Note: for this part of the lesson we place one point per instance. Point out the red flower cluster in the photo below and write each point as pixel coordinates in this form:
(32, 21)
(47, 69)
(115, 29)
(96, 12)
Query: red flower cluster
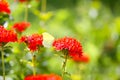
(4, 6)
(34, 41)
(83, 58)
(21, 26)
(7, 35)
(70, 44)
(43, 77)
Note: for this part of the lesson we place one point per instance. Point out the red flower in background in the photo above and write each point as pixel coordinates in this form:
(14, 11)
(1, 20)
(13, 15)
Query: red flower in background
(34, 41)
(21, 26)
(4, 6)
(70, 44)
(43, 77)
(7, 35)
(84, 58)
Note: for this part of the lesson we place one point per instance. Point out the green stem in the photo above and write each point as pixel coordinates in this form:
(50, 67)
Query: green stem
(3, 64)
(26, 12)
(64, 65)
(33, 62)
(43, 8)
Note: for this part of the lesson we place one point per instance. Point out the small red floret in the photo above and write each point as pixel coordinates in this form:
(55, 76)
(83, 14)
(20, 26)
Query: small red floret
(43, 77)
(84, 58)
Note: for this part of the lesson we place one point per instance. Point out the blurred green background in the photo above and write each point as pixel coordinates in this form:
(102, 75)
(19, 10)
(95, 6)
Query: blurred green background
(95, 23)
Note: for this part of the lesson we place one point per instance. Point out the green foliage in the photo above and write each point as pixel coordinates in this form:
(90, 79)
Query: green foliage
(95, 23)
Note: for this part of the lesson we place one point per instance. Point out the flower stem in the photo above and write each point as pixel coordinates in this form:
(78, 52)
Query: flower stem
(26, 11)
(33, 62)
(64, 65)
(43, 8)
(3, 64)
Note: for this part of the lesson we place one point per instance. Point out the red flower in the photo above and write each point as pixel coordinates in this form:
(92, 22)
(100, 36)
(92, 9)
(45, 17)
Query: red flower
(21, 26)
(4, 6)
(70, 44)
(43, 77)
(7, 35)
(83, 58)
(33, 41)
